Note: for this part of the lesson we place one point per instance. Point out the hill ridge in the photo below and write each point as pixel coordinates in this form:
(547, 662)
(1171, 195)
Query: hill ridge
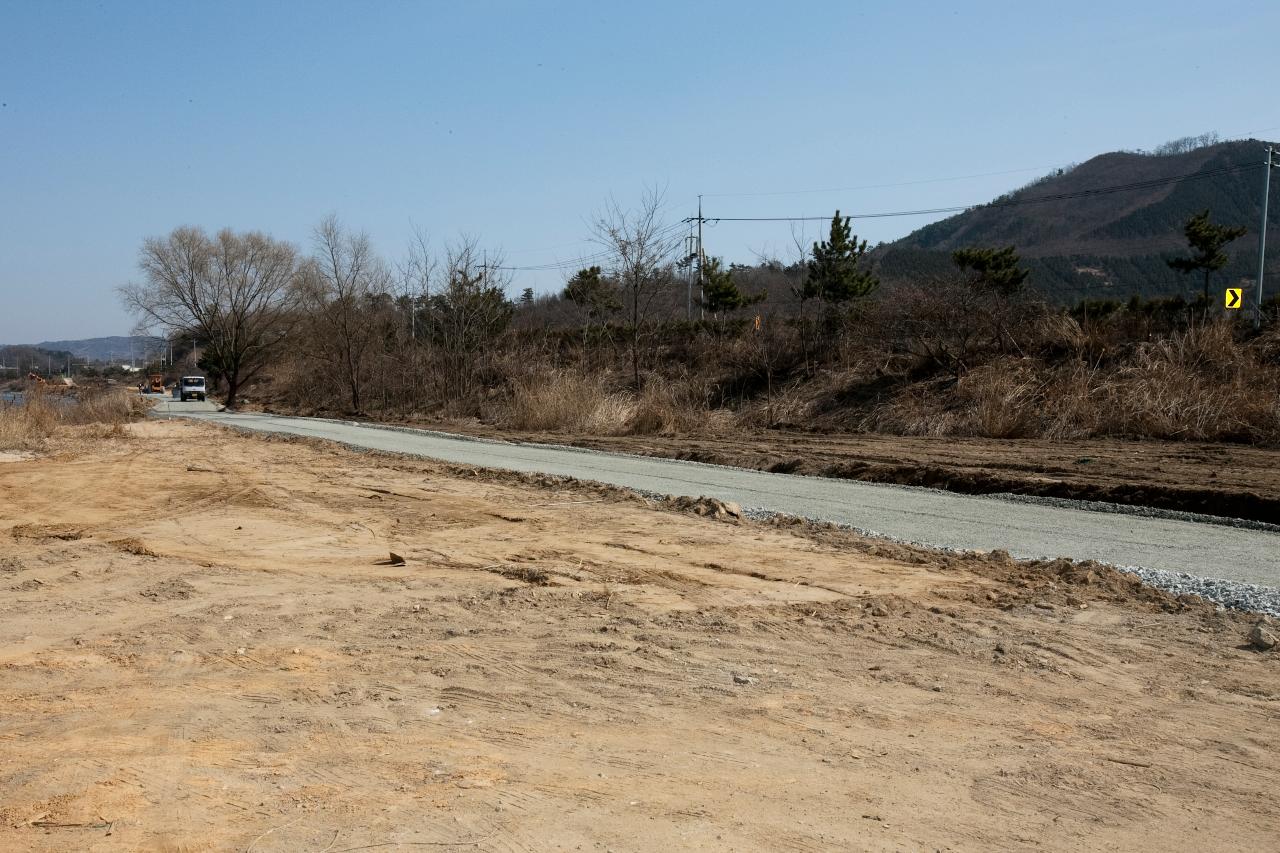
(1112, 244)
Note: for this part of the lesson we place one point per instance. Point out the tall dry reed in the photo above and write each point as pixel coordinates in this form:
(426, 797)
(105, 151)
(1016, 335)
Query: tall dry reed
(32, 424)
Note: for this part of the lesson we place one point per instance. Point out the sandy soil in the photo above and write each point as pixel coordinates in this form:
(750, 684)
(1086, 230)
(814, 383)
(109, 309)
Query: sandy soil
(1237, 481)
(202, 648)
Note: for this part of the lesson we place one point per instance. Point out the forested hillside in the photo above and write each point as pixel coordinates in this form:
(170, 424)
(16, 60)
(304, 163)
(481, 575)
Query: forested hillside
(1082, 240)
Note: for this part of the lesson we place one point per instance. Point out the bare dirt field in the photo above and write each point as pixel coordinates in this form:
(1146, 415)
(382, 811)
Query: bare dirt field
(203, 646)
(1233, 480)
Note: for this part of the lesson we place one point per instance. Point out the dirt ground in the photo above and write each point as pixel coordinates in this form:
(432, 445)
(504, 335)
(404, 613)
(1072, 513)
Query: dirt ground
(203, 647)
(1232, 480)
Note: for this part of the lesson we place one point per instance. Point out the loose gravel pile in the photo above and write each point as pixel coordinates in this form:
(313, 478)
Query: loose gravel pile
(1236, 595)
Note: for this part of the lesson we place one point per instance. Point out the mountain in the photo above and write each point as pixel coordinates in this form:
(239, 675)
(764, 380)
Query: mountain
(1082, 240)
(118, 349)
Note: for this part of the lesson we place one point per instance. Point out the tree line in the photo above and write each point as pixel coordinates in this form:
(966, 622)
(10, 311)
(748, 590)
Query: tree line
(439, 328)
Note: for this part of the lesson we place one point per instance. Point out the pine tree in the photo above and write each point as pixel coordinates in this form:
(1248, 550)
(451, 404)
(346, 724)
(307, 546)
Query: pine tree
(595, 296)
(996, 270)
(720, 292)
(589, 290)
(834, 276)
(1206, 241)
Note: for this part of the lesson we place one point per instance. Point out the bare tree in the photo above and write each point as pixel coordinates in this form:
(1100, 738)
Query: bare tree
(643, 249)
(344, 288)
(414, 277)
(467, 312)
(954, 320)
(235, 292)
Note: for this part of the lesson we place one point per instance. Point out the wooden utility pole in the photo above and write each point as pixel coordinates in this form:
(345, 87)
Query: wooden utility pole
(1262, 231)
(701, 295)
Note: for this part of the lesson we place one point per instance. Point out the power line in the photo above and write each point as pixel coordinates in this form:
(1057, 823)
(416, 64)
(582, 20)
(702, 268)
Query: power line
(1013, 202)
(670, 230)
(663, 233)
(885, 186)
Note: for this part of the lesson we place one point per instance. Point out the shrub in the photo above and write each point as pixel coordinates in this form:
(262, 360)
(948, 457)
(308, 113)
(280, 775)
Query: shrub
(563, 401)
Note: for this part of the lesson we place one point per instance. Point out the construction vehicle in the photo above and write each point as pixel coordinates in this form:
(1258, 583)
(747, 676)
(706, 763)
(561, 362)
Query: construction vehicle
(156, 385)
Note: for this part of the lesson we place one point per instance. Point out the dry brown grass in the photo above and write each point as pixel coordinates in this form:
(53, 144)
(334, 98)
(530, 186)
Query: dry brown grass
(572, 403)
(1200, 384)
(667, 407)
(35, 424)
(563, 401)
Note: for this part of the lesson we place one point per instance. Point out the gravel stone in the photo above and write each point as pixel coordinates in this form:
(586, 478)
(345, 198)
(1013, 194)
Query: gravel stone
(1261, 638)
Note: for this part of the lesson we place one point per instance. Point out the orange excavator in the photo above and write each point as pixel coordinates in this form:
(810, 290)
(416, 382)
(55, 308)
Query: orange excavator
(36, 378)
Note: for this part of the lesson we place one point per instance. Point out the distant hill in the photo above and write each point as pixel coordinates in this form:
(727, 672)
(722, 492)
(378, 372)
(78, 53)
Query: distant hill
(1114, 244)
(16, 361)
(117, 349)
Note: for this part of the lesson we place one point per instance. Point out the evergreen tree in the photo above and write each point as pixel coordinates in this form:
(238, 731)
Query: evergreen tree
(589, 290)
(995, 270)
(720, 292)
(834, 276)
(595, 296)
(1206, 241)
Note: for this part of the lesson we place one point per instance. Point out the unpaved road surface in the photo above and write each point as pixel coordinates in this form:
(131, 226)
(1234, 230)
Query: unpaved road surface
(1232, 480)
(925, 516)
(203, 648)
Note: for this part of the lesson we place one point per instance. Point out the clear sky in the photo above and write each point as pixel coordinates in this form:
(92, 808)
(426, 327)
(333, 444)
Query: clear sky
(513, 121)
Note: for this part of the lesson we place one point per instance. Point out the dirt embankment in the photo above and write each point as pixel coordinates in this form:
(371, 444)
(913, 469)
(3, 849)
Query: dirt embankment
(1233, 481)
(218, 655)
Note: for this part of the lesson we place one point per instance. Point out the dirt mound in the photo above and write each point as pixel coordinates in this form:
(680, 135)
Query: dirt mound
(44, 532)
(706, 507)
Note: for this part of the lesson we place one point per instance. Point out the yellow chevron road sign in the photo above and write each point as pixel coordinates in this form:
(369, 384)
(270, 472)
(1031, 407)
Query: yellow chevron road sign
(1233, 297)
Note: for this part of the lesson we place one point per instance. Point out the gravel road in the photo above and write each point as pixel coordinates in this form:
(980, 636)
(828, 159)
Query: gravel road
(924, 516)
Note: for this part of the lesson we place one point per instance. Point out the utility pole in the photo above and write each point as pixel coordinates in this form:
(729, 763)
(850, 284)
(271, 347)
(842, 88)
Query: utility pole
(686, 263)
(1262, 232)
(701, 295)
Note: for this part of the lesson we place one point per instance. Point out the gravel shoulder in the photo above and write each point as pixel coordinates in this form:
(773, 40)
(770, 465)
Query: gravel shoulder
(220, 655)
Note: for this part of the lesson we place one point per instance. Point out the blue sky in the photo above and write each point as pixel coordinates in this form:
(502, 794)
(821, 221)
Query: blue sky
(513, 121)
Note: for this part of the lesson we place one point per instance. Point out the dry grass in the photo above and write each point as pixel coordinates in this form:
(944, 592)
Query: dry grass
(569, 402)
(35, 424)
(1200, 384)
(562, 401)
(27, 426)
(675, 408)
